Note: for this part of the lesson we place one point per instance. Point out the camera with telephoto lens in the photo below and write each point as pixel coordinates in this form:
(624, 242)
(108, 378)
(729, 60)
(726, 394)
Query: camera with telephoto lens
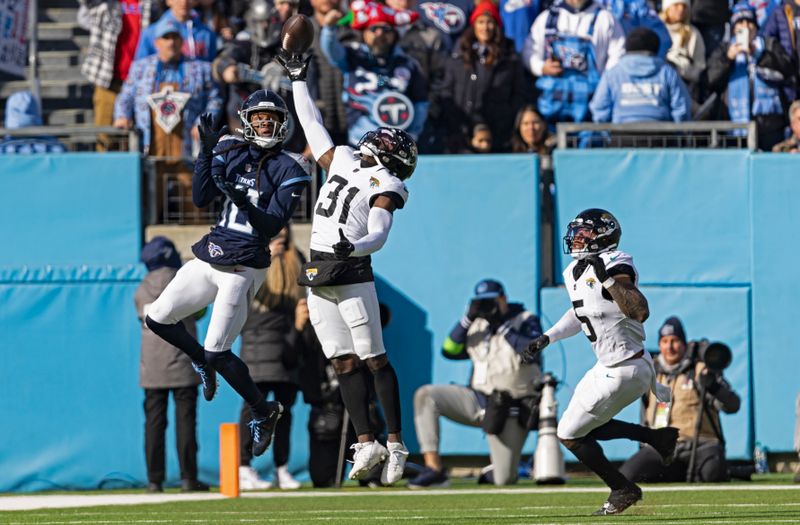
(716, 356)
(487, 307)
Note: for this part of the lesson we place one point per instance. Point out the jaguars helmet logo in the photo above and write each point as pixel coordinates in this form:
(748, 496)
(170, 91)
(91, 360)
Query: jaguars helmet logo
(311, 273)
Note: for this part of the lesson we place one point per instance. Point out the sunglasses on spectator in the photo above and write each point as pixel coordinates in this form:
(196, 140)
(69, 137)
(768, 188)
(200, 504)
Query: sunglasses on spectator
(383, 28)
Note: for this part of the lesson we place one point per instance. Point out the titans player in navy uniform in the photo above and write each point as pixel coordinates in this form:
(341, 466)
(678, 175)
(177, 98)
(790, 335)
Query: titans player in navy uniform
(260, 185)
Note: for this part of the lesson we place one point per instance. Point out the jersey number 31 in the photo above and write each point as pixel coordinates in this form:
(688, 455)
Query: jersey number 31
(330, 209)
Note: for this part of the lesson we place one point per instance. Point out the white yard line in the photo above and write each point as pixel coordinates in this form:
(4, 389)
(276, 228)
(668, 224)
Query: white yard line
(32, 502)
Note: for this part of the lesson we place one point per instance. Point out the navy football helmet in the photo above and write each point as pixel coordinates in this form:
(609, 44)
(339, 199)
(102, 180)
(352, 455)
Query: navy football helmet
(593, 231)
(393, 148)
(265, 100)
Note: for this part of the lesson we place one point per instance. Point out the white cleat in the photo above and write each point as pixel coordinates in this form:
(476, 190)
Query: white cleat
(366, 456)
(284, 479)
(393, 468)
(249, 480)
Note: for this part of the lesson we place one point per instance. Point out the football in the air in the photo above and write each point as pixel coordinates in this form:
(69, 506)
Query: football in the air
(297, 34)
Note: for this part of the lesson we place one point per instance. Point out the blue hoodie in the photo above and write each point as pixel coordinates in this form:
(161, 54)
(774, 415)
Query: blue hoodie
(640, 88)
(22, 111)
(199, 41)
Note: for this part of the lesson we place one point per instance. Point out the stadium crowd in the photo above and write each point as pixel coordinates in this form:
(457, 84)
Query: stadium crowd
(463, 76)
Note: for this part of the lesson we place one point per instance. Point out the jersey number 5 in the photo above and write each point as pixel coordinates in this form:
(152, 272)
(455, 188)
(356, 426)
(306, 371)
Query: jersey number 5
(340, 183)
(586, 324)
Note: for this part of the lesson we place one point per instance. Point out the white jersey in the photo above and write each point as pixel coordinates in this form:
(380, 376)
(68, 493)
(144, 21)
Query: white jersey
(346, 197)
(614, 336)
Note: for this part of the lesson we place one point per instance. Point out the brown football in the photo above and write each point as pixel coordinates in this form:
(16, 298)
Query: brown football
(297, 34)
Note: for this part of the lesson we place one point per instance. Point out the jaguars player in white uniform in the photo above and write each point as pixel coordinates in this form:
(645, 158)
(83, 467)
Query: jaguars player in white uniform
(352, 219)
(609, 308)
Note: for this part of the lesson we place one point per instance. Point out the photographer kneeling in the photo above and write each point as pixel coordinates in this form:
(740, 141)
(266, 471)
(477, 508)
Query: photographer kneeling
(501, 396)
(686, 373)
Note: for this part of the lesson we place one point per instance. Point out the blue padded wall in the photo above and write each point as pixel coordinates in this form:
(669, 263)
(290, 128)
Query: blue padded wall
(776, 360)
(467, 218)
(85, 209)
(720, 314)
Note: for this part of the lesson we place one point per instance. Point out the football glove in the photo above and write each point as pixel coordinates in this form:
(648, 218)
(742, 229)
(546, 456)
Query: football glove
(229, 189)
(343, 248)
(210, 130)
(529, 355)
(295, 65)
(599, 267)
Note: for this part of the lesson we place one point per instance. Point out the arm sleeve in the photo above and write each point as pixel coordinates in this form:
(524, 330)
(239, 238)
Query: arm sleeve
(609, 41)
(333, 50)
(203, 188)
(454, 346)
(145, 47)
(317, 136)
(681, 103)
(529, 330)
(281, 206)
(379, 223)
(602, 101)
(123, 105)
(567, 326)
(533, 50)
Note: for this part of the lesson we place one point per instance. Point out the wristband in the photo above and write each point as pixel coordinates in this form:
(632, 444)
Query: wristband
(608, 283)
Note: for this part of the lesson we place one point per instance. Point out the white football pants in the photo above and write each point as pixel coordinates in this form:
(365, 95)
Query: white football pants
(602, 393)
(347, 319)
(196, 285)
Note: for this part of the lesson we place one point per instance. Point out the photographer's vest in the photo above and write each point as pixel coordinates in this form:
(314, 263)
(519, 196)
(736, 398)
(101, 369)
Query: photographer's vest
(496, 366)
(682, 411)
(565, 98)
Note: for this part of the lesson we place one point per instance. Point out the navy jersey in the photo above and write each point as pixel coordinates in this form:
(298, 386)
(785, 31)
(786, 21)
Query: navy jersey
(275, 191)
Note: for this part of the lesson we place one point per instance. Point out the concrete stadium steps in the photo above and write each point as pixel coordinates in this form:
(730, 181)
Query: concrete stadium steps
(69, 117)
(58, 14)
(52, 89)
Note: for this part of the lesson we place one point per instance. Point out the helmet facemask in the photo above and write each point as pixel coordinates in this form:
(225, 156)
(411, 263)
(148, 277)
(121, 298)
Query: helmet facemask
(382, 145)
(276, 116)
(585, 238)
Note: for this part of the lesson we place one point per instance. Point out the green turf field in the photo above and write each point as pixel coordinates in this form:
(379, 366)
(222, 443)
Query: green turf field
(753, 503)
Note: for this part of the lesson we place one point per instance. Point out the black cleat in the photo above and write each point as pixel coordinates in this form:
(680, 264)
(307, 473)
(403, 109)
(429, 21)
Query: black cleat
(664, 441)
(193, 485)
(619, 500)
(154, 488)
(263, 429)
(209, 378)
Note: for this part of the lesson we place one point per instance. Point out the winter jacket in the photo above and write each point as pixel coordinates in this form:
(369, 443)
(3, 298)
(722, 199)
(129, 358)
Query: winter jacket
(773, 63)
(424, 44)
(641, 88)
(637, 13)
(161, 365)
(270, 344)
(781, 26)
(688, 58)
(479, 93)
(710, 12)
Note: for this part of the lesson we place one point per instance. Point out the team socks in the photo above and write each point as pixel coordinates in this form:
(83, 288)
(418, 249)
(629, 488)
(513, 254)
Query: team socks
(353, 387)
(616, 429)
(178, 336)
(589, 453)
(236, 373)
(389, 396)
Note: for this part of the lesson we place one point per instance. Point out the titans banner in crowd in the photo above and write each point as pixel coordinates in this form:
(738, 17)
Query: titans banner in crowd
(13, 36)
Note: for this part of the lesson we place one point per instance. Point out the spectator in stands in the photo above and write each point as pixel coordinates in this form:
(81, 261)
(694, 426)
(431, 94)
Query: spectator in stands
(683, 371)
(710, 17)
(688, 52)
(530, 133)
(22, 111)
(114, 28)
(642, 87)
(164, 96)
(501, 395)
(199, 42)
(764, 9)
(792, 144)
(751, 71)
(382, 85)
(449, 17)
(480, 140)
(270, 350)
(164, 369)
(484, 82)
(246, 63)
(214, 16)
(638, 13)
(569, 47)
(782, 25)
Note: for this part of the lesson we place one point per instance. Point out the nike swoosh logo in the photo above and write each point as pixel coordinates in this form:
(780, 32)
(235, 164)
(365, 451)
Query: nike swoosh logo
(609, 376)
(295, 194)
(614, 258)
